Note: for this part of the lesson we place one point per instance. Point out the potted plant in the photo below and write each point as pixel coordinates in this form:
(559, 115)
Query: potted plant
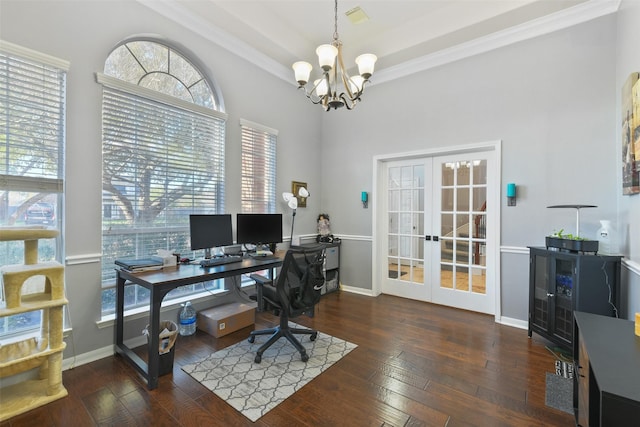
(571, 243)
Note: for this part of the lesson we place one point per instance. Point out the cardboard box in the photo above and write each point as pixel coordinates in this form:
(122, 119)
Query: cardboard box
(225, 319)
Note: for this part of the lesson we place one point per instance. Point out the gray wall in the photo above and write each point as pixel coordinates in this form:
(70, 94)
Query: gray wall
(553, 101)
(628, 61)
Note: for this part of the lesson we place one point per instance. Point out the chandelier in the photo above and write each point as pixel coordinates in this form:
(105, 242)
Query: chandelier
(335, 88)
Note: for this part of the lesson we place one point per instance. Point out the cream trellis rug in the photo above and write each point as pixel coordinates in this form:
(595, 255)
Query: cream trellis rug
(256, 388)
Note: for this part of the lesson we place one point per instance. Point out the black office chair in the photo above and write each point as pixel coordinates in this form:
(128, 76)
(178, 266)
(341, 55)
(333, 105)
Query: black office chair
(297, 290)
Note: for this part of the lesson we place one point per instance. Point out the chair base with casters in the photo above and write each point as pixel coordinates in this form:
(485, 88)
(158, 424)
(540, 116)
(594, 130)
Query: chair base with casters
(283, 331)
(296, 292)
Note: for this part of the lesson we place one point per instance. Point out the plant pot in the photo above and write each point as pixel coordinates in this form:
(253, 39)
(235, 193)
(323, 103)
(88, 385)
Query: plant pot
(572, 245)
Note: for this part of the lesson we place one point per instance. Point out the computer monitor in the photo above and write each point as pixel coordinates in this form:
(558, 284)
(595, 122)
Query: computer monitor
(258, 229)
(210, 231)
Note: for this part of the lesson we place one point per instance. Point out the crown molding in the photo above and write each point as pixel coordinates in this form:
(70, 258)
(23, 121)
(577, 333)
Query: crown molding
(566, 18)
(172, 10)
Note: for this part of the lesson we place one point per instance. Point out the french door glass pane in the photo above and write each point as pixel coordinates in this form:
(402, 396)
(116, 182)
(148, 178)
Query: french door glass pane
(463, 219)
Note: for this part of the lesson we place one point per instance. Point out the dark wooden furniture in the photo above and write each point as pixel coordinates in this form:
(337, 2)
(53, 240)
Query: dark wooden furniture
(159, 283)
(606, 387)
(561, 282)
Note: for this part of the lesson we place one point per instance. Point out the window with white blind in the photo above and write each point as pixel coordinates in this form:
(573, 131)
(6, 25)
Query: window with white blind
(163, 159)
(32, 144)
(258, 168)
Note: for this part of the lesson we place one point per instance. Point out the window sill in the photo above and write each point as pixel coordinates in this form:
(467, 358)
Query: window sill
(143, 312)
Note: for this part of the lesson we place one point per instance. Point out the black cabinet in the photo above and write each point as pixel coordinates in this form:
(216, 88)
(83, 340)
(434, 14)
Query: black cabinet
(331, 265)
(561, 282)
(606, 387)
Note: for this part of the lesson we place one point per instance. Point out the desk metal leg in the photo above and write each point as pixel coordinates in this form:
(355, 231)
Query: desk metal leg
(154, 339)
(119, 310)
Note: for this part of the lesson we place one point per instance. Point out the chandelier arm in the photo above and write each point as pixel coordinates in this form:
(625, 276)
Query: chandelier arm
(348, 102)
(313, 94)
(343, 73)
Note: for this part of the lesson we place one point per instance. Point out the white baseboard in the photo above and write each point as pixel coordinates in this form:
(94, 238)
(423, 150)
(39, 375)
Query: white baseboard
(359, 291)
(516, 323)
(100, 353)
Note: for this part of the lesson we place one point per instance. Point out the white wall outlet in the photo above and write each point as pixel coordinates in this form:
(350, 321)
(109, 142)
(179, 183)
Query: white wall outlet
(222, 326)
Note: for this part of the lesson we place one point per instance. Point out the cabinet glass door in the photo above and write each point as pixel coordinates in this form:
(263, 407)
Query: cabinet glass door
(540, 309)
(563, 293)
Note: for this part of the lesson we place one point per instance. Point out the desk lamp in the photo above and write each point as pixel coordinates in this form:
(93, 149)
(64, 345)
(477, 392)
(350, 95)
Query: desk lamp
(292, 202)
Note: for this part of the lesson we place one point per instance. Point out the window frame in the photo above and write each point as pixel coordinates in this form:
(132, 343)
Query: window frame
(124, 91)
(258, 167)
(34, 83)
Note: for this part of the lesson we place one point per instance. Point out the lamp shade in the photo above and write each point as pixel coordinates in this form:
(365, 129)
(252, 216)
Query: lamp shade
(326, 56)
(302, 71)
(302, 192)
(366, 63)
(355, 83)
(287, 196)
(291, 200)
(321, 87)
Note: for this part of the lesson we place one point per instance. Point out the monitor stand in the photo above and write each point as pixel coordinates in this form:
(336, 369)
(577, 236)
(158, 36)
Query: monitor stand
(260, 251)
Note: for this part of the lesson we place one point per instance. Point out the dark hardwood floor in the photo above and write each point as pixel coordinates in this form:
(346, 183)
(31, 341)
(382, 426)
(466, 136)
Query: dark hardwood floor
(416, 364)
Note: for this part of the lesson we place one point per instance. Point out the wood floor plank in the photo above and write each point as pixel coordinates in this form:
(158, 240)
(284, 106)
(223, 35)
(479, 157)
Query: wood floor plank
(416, 365)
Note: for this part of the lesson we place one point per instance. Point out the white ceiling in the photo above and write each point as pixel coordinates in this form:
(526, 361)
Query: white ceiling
(407, 36)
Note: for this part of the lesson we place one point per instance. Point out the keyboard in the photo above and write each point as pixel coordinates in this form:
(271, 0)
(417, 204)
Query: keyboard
(212, 262)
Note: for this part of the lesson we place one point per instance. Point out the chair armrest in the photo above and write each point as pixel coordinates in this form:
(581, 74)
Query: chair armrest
(261, 280)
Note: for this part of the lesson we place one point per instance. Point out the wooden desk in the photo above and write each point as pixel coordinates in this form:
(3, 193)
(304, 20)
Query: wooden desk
(606, 391)
(159, 283)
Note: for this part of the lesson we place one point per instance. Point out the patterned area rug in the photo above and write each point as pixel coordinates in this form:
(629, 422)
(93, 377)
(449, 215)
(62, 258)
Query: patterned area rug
(256, 388)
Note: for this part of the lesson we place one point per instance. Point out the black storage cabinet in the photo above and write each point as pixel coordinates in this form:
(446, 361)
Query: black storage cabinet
(561, 282)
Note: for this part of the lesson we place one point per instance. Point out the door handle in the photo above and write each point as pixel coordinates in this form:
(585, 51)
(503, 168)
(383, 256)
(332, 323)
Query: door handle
(436, 238)
(428, 238)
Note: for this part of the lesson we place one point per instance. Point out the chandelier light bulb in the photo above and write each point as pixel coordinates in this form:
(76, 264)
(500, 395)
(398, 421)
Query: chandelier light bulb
(356, 83)
(366, 63)
(326, 56)
(321, 87)
(302, 71)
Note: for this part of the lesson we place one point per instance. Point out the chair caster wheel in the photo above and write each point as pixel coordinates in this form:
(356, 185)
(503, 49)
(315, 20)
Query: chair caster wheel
(252, 339)
(313, 336)
(304, 357)
(258, 359)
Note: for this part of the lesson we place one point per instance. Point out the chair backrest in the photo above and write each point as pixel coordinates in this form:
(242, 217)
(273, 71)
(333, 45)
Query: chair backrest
(301, 278)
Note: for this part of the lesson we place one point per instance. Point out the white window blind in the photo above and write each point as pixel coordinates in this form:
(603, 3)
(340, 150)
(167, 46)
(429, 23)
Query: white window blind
(161, 163)
(32, 107)
(258, 168)
(32, 144)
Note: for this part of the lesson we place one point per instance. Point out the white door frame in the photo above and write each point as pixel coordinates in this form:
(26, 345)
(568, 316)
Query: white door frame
(379, 260)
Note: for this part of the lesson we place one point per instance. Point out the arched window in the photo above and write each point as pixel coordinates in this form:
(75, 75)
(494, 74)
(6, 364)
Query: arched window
(163, 157)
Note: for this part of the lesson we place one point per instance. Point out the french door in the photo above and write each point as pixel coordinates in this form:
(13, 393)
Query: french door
(438, 230)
